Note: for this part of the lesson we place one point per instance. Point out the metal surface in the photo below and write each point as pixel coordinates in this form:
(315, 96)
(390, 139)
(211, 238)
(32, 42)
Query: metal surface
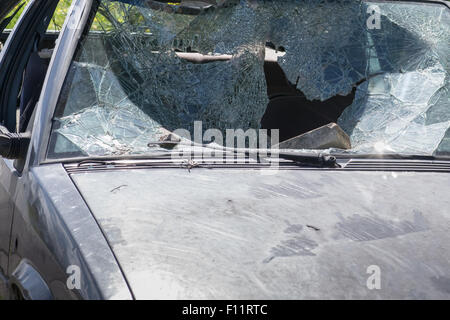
(238, 234)
(30, 282)
(4, 288)
(8, 184)
(55, 230)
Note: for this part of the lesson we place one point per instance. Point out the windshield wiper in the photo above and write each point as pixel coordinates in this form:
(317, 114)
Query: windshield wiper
(312, 160)
(302, 159)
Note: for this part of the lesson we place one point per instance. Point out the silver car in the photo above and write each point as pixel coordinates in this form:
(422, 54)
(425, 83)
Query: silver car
(225, 150)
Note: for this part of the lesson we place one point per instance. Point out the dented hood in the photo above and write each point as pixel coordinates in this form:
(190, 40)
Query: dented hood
(239, 234)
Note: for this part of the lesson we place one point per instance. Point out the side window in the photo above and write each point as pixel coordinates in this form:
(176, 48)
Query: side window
(37, 65)
(9, 15)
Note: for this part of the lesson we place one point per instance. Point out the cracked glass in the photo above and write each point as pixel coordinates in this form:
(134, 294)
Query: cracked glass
(147, 68)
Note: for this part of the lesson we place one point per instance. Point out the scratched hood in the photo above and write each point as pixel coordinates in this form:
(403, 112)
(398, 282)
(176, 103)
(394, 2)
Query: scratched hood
(239, 234)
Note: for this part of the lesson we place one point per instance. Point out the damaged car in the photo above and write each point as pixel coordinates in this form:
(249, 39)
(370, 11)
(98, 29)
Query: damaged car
(225, 149)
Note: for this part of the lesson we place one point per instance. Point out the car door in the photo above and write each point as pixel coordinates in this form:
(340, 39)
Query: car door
(8, 174)
(8, 183)
(15, 59)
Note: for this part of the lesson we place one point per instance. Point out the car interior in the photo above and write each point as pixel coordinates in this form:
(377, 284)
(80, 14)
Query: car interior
(289, 110)
(33, 76)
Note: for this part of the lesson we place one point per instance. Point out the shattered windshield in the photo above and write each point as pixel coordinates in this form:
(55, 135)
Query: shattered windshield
(345, 76)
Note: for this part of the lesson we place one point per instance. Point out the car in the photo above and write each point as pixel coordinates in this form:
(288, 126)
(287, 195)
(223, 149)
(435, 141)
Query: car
(225, 150)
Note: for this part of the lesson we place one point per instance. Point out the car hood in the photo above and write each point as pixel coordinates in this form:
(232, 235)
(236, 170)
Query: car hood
(296, 234)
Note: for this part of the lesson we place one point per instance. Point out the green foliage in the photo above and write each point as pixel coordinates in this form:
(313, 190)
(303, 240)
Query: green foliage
(13, 21)
(60, 15)
(57, 20)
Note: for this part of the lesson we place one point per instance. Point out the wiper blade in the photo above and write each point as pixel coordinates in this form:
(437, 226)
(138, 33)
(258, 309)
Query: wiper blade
(312, 160)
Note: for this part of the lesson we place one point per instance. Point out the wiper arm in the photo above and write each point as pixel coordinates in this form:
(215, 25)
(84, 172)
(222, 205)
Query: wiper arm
(305, 159)
(196, 159)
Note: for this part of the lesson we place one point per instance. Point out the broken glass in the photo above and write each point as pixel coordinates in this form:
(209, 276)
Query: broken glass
(405, 110)
(128, 84)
